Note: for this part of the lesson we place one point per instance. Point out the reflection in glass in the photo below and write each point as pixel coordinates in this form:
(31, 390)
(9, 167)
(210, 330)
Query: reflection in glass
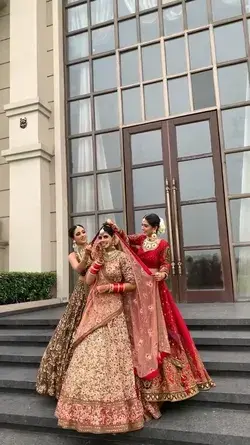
(148, 186)
(81, 155)
(80, 116)
(78, 46)
(204, 269)
(240, 211)
(146, 147)
(196, 13)
(147, 5)
(199, 49)
(102, 118)
(149, 25)
(139, 215)
(242, 260)
(129, 67)
(118, 218)
(151, 62)
(225, 9)
(178, 95)
(203, 90)
(154, 101)
(173, 20)
(108, 150)
(234, 36)
(77, 17)
(83, 194)
(79, 79)
(236, 124)
(238, 165)
(131, 105)
(103, 39)
(127, 33)
(109, 191)
(125, 7)
(99, 13)
(191, 172)
(204, 231)
(105, 65)
(193, 139)
(175, 64)
(88, 222)
(233, 83)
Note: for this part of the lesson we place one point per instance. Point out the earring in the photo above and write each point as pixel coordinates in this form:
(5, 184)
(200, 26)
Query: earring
(154, 236)
(74, 245)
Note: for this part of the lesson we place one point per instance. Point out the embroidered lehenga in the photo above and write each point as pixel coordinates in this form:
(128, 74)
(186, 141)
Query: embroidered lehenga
(99, 391)
(180, 373)
(58, 353)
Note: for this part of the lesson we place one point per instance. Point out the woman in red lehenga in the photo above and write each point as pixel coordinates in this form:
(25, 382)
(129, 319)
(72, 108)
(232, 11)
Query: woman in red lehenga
(180, 373)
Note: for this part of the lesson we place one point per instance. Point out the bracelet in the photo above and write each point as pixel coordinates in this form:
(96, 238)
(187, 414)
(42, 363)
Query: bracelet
(117, 288)
(94, 269)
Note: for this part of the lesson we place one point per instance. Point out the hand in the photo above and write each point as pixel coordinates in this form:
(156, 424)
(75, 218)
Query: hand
(88, 249)
(112, 224)
(160, 276)
(98, 252)
(103, 288)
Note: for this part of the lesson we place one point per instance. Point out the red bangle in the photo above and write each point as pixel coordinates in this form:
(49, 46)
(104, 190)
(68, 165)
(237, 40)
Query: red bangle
(118, 288)
(94, 269)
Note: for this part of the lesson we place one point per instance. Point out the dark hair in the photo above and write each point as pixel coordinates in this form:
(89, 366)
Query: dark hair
(108, 229)
(153, 220)
(72, 230)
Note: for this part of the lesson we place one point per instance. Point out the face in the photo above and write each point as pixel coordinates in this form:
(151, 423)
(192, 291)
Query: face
(147, 229)
(80, 236)
(105, 239)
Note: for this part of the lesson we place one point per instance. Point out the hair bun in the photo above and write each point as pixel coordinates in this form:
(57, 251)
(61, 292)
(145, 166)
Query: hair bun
(162, 226)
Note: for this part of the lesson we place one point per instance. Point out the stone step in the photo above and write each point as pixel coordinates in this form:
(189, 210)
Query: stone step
(18, 377)
(180, 422)
(25, 335)
(21, 354)
(220, 338)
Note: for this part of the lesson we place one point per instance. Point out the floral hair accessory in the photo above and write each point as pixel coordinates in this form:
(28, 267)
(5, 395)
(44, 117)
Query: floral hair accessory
(162, 226)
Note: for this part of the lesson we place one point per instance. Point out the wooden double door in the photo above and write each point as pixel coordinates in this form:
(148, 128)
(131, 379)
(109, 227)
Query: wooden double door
(173, 168)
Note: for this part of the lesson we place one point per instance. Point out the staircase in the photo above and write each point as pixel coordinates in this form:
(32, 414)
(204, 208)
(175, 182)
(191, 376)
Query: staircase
(218, 417)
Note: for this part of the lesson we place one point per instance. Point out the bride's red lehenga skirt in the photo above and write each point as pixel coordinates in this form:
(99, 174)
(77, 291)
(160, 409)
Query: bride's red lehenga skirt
(181, 374)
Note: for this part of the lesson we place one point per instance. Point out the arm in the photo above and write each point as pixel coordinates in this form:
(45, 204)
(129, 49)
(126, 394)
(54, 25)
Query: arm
(82, 266)
(127, 273)
(132, 240)
(165, 260)
(96, 265)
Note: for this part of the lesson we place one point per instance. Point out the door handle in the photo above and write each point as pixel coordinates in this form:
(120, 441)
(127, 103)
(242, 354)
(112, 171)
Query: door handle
(173, 265)
(176, 223)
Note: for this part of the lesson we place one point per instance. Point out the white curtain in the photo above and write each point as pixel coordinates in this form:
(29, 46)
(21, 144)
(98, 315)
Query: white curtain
(83, 158)
(244, 225)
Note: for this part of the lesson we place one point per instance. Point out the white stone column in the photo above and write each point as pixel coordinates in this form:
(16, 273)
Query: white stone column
(29, 153)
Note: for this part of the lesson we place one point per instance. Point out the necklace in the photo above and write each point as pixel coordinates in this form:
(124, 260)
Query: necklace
(110, 256)
(150, 243)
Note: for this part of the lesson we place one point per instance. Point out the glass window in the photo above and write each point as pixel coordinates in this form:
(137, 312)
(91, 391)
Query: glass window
(234, 36)
(99, 13)
(79, 79)
(149, 25)
(242, 260)
(81, 155)
(225, 9)
(83, 194)
(236, 127)
(176, 65)
(199, 50)
(146, 147)
(234, 83)
(173, 20)
(108, 154)
(125, 7)
(104, 119)
(196, 13)
(204, 269)
(105, 65)
(238, 177)
(193, 139)
(178, 95)
(248, 26)
(127, 33)
(189, 172)
(148, 186)
(151, 62)
(78, 46)
(154, 101)
(118, 218)
(109, 191)
(131, 105)
(103, 39)
(203, 90)
(205, 231)
(80, 116)
(147, 5)
(129, 67)
(240, 211)
(77, 17)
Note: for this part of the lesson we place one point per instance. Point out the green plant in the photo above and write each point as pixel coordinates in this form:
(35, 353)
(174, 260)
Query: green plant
(18, 287)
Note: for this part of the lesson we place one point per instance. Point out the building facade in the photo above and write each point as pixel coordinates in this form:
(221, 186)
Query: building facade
(117, 108)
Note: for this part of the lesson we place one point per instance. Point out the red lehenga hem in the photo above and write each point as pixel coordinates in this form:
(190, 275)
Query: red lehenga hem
(100, 417)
